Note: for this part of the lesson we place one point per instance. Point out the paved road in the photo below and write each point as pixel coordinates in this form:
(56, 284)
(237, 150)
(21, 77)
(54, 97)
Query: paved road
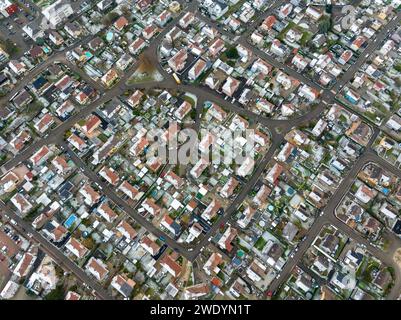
(188, 252)
(55, 253)
(56, 137)
(260, 18)
(108, 190)
(241, 197)
(371, 48)
(328, 95)
(329, 217)
(39, 68)
(283, 125)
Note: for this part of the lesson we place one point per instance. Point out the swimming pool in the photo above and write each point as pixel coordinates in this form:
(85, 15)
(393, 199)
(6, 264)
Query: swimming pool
(88, 55)
(70, 221)
(290, 191)
(109, 36)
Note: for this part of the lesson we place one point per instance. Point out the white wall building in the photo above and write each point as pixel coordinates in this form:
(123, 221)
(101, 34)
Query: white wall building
(57, 13)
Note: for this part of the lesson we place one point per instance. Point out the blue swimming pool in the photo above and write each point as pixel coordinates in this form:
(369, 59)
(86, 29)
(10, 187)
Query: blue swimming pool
(290, 191)
(109, 36)
(70, 221)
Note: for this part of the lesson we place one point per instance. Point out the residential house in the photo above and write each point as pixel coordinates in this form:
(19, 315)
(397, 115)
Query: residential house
(106, 212)
(127, 230)
(97, 268)
(76, 248)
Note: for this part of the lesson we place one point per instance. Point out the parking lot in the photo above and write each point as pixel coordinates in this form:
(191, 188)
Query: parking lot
(11, 29)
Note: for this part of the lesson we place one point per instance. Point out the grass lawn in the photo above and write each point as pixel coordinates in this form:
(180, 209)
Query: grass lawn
(283, 32)
(144, 77)
(102, 137)
(260, 244)
(189, 100)
(367, 275)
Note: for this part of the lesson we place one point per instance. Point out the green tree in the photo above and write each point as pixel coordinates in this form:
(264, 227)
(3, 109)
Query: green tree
(10, 47)
(329, 8)
(325, 25)
(110, 18)
(40, 41)
(126, 11)
(398, 67)
(232, 53)
(56, 294)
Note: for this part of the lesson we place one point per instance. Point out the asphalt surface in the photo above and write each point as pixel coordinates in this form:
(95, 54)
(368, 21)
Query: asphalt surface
(328, 218)
(55, 253)
(203, 94)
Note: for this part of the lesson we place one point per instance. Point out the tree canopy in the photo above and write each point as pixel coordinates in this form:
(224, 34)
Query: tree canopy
(232, 53)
